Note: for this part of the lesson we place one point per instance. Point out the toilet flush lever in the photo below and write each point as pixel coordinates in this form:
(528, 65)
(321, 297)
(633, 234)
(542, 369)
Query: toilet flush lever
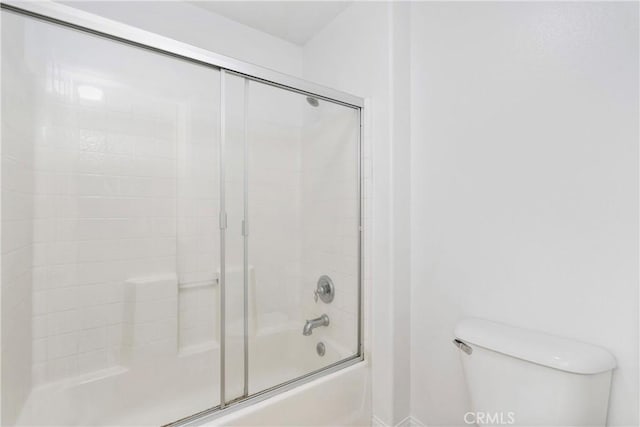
(463, 346)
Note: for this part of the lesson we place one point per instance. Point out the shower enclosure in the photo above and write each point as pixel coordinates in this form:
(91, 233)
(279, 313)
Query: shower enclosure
(171, 221)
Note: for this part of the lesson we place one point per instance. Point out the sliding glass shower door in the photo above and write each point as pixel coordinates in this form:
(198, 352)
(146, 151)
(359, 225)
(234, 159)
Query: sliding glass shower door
(176, 237)
(294, 231)
(110, 200)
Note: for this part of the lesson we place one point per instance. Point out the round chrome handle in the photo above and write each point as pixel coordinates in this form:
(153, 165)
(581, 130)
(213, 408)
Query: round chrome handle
(324, 290)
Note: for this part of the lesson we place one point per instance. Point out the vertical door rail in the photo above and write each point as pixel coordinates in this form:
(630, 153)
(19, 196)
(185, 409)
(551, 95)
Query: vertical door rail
(245, 233)
(223, 227)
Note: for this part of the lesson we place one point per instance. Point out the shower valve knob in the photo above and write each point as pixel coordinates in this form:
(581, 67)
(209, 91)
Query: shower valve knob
(324, 290)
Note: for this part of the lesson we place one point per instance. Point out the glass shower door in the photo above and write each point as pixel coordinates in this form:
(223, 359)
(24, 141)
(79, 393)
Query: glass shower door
(175, 237)
(110, 201)
(302, 218)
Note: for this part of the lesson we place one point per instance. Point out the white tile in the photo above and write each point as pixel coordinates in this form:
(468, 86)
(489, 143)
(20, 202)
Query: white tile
(93, 361)
(62, 345)
(38, 373)
(39, 303)
(39, 327)
(63, 299)
(63, 322)
(39, 350)
(92, 339)
(93, 317)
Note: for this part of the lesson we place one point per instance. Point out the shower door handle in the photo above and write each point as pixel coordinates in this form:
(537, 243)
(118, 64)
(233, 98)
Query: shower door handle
(223, 220)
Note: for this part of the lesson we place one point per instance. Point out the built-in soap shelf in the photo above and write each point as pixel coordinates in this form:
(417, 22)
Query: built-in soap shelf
(202, 347)
(163, 317)
(150, 320)
(198, 327)
(199, 284)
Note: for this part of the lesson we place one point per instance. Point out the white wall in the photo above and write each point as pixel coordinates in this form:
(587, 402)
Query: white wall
(199, 27)
(524, 184)
(360, 52)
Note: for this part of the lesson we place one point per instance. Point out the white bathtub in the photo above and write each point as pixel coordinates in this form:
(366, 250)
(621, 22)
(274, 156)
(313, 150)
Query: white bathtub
(338, 399)
(172, 387)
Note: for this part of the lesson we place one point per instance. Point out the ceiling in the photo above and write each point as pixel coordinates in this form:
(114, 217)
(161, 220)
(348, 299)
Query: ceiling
(294, 21)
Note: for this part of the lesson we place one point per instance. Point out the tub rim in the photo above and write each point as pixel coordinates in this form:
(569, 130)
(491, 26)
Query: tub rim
(211, 414)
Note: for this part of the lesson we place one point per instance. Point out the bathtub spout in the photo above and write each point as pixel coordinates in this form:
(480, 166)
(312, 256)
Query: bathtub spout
(310, 325)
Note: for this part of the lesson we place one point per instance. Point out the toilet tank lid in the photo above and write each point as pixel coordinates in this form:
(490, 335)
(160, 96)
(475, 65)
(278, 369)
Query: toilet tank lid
(537, 347)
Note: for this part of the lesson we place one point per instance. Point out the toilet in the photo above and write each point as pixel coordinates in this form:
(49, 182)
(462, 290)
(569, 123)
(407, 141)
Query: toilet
(521, 377)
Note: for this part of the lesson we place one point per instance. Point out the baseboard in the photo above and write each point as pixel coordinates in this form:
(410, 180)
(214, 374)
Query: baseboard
(409, 421)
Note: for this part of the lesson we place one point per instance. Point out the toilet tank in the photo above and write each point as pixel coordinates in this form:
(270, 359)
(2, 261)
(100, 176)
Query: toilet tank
(522, 377)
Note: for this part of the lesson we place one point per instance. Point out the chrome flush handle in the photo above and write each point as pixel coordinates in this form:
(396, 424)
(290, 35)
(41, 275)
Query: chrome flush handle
(463, 346)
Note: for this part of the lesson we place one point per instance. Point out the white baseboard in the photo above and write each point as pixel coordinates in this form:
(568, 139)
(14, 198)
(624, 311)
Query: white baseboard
(409, 421)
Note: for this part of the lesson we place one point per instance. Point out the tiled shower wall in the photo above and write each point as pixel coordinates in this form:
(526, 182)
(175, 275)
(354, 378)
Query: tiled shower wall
(303, 209)
(275, 122)
(198, 235)
(17, 214)
(121, 161)
(125, 193)
(330, 217)
(105, 212)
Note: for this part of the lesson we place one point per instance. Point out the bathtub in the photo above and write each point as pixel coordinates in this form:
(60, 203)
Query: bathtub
(341, 398)
(139, 396)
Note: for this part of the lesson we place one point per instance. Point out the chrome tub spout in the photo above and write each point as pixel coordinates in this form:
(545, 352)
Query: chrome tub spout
(310, 325)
